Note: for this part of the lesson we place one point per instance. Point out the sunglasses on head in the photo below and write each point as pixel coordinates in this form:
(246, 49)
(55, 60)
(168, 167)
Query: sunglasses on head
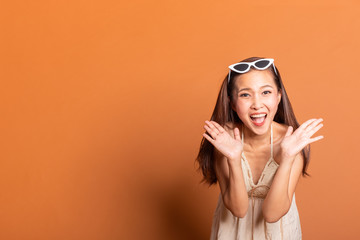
(243, 67)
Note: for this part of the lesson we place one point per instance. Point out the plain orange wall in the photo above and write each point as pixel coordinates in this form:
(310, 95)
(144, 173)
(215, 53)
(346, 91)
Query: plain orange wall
(103, 105)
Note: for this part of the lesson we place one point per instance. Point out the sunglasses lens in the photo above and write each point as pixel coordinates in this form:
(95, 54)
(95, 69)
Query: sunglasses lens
(262, 63)
(241, 67)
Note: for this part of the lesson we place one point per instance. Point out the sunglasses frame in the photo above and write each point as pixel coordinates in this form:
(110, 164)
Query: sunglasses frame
(271, 62)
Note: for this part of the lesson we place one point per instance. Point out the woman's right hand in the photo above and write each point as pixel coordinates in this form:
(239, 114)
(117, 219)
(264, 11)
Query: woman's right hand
(230, 147)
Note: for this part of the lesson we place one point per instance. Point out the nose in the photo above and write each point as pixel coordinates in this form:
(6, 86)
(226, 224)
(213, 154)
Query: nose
(256, 104)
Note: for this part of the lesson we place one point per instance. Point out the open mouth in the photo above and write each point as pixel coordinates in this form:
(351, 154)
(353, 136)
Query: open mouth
(258, 119)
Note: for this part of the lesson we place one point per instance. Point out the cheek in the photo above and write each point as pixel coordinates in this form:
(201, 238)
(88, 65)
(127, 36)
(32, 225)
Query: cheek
(273, 102)
(242, 107)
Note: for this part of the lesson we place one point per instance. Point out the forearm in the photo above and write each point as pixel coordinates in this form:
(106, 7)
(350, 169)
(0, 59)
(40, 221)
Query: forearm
(277, 201)
(235, 197)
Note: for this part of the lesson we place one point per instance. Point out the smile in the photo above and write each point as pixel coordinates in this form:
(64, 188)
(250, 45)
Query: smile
(258, 119)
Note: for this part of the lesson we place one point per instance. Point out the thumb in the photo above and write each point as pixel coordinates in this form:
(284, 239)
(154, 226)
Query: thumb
(237, 134)
(289, 131)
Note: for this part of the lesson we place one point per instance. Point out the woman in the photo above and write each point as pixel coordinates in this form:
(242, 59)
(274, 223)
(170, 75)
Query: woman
(254, 147)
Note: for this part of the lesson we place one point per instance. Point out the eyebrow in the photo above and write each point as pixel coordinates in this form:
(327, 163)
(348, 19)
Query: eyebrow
(246, 89)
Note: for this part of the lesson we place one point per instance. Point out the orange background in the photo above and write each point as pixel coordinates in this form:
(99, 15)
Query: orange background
(103, 105)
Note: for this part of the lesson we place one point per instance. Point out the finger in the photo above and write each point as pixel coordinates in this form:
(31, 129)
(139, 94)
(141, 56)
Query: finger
(218, 126)
(212, 126)
(316, 139)
(212, 133)
(314, 124)
(237, 134)
(314, 130)
(289, 131)
(305, 124)
(208, 138)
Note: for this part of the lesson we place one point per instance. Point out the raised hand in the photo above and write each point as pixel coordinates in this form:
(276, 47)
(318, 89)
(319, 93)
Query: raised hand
(230, 147)
(293, 143)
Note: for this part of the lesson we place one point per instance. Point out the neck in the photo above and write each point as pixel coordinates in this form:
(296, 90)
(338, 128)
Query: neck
(256, 141)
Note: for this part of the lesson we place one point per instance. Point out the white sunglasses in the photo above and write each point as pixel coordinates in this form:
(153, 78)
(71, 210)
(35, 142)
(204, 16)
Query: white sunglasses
(243, 67)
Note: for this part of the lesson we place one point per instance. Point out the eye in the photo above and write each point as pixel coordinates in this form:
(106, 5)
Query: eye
(244, 95)
(267, 92)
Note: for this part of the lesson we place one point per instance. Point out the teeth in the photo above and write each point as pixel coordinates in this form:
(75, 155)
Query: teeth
(258, 115)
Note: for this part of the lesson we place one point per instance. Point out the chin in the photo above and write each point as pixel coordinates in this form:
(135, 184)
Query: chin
(264, 129)
(259, 130)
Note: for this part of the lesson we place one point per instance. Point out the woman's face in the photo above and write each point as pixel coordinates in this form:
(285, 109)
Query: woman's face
(256, 99)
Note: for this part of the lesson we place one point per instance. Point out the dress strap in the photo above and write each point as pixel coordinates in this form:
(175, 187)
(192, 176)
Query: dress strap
(271, 141)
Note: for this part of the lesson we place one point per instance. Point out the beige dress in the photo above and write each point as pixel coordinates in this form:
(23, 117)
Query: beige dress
(226, 226)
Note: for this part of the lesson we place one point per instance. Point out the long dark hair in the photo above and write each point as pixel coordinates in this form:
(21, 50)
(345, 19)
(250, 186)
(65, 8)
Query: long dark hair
(224, 114)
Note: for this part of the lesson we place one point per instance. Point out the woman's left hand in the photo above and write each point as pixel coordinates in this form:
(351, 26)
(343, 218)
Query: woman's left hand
(294, 142)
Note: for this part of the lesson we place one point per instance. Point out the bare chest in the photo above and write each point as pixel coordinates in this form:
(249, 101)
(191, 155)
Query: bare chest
(257, 161)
